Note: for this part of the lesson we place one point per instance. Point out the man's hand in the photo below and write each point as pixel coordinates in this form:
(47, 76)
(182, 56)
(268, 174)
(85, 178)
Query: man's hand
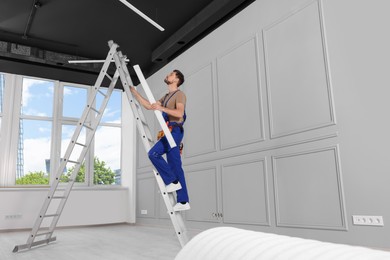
(157, 106)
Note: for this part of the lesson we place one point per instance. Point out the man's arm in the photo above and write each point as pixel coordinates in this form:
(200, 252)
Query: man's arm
(177, 112)
(144, 102)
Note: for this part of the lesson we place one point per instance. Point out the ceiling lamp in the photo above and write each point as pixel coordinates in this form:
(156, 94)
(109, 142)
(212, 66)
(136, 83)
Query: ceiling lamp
(142, 15)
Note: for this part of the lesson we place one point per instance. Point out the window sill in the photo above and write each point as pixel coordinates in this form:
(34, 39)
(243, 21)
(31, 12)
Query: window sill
(47, 187)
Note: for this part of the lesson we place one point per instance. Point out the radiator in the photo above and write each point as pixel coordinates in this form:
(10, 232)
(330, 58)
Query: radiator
(226, 243)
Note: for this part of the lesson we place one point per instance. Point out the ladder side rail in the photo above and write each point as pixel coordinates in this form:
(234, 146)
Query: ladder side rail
(176, 217)
(128, 93)
(145, 132)
(91, 99)
(138, 107)
(90, 137)
(151, 99)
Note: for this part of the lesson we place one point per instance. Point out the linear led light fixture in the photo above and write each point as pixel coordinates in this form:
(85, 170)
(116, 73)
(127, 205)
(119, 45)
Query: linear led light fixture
(142, 15)
(91, 61)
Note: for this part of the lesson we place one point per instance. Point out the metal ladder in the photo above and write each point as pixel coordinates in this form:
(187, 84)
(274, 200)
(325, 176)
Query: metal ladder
(60, 193)
(57, 192)
(147, 140)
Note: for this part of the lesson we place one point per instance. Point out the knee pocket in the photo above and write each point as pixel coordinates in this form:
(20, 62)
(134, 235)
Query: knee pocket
(153, 155)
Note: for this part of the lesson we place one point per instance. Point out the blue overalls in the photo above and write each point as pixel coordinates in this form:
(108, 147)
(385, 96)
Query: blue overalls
(170, 170)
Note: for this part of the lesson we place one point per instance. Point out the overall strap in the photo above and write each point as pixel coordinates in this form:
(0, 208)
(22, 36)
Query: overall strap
(165, 103)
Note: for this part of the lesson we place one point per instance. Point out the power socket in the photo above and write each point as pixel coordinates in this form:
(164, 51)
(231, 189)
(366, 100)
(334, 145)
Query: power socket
(15, 216)
(368, 220)
(144, 212)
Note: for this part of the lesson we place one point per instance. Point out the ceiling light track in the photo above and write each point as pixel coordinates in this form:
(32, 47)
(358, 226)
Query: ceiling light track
(142, 15)
(35, 6)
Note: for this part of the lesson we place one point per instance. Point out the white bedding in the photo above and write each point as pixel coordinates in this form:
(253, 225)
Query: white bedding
(226, 243)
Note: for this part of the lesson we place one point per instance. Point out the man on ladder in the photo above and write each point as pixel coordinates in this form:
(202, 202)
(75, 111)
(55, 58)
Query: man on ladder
(172, 106)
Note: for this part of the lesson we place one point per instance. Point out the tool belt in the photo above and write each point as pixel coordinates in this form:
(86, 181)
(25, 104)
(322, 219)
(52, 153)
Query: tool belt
(161, 134)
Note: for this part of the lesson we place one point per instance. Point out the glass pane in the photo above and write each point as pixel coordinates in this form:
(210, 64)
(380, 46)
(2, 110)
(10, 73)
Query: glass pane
(67, 133)
(37, 97)
(75, 101)
(33, 157)
(2, 83)
(113, 111)
(107, 156)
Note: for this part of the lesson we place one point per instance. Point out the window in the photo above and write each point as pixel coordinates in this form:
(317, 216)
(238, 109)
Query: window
(108, 142)
(41, 119)
(35, 131)
(67, 134)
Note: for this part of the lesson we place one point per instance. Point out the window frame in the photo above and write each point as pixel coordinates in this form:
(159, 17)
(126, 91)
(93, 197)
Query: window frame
(11, 115)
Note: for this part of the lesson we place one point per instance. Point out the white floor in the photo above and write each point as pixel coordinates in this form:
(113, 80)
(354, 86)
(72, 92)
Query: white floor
(111, 242)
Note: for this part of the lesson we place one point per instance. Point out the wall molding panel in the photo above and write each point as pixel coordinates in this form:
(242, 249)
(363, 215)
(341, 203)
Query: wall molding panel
(203, 204)
(249, 205)
(147, 203)
(235, 105)
(200, 126)
(258, 149)
(308, 190)
(299, 88)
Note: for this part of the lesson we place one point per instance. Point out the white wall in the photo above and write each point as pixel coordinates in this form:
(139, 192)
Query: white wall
(84, 207)
(288, 126)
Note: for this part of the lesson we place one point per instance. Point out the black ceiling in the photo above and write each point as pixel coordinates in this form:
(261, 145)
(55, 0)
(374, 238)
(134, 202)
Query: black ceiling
(82, 28)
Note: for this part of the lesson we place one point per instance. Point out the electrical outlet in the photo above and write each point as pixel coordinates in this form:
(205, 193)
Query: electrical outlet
(14, 216)
(144, 212)
(368, 220)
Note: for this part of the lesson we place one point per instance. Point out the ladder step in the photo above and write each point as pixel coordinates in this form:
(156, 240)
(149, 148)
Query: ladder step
(80, 144)
(102, 93)
(87, 126)
(108, 76)
(51, 215)
(94, 109)
(58, 197)
(43, 234)
(70, 161)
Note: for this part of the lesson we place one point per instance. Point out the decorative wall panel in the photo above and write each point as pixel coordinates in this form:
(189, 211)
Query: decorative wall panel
(298, 82)
(308, 190)
(202, 191)
(240, 116)
(200, 126)
(245, 193)
(146, 204)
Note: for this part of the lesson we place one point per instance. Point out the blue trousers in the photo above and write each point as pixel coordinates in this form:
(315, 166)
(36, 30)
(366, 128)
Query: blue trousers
(170, 170)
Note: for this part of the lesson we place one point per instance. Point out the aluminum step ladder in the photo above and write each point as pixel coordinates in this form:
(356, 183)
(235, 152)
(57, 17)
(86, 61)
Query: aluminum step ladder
(73, 159)
(60, 193)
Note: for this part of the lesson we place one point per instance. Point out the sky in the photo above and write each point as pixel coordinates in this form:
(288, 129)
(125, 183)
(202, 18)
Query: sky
(38, 100)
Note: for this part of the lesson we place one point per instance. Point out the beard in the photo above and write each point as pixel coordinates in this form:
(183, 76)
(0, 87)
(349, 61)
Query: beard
(167, 81)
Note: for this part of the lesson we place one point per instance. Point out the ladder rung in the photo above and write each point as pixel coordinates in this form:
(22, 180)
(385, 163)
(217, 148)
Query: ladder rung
(102, 93)
(80, 144)
(87, 126)
(108, 76)
(51, 215)
(70, 161)
(142, 121)
(58, 197)
(43, 234)
(94, 109)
